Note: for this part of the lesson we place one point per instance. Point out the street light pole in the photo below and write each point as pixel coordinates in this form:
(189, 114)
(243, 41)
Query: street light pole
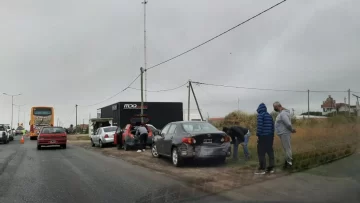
(12, 107)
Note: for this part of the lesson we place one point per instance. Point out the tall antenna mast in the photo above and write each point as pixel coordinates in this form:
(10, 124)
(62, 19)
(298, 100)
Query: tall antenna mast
(145, 56)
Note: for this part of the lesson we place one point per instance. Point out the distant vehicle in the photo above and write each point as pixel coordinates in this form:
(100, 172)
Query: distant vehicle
(50, 136)
(4, 135)
(40, 116)
(127, 139)
(19, 130)
(191, 140)
(103, 136)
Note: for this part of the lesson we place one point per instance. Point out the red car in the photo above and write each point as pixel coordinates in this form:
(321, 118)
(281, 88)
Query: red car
(50, 136)
(127, 135)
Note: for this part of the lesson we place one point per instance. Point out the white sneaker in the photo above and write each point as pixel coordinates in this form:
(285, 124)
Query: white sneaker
(143, 150)
(139, 150)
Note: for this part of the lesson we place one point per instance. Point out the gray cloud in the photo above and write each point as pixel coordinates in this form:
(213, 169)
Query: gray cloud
(63, 53)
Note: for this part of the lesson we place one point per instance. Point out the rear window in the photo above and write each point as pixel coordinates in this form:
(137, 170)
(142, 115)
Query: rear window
(19, 128)
(201, 127)
(42, 111)
(2, 128)
(110, 129)
(52, 130)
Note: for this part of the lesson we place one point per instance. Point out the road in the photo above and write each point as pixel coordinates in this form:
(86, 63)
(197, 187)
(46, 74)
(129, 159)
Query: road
(79, 175)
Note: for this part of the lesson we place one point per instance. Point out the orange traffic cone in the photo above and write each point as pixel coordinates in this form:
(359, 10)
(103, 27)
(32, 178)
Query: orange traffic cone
(22, 140)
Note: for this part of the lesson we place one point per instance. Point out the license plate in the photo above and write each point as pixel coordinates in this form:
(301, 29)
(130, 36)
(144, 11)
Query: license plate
(52, 141)
(207, 141)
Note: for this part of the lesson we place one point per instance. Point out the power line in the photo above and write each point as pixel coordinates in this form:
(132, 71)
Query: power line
(263, 89)
(252, 88)
(170, 59)
(163, 90)
(123, 90)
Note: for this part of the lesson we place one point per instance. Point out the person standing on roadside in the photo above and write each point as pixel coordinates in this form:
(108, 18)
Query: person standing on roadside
(142, 134)
(239, 135)
(283, 128)
(265, 134)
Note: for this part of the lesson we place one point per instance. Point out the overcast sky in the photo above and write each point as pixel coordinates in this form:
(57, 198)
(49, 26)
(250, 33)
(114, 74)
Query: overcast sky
(62, 53)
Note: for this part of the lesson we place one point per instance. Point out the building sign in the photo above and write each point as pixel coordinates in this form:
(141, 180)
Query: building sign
(114, 107)
(133, 106)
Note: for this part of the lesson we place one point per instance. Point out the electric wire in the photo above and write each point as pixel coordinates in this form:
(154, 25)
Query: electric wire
(163, 90)
(189, 50)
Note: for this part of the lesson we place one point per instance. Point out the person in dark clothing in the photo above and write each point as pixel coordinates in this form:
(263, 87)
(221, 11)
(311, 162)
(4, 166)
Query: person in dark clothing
(239, 135)
(142, 133)
(265, 134)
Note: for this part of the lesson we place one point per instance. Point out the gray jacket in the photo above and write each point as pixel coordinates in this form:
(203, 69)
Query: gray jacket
(283, 123)
(141, 130)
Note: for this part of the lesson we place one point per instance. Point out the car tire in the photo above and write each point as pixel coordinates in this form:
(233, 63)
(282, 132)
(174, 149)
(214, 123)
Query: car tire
(39, 147)
(221, 160)
(92, 143)
(101, 145)
(63, 146)
(154, 151)
(175, 158)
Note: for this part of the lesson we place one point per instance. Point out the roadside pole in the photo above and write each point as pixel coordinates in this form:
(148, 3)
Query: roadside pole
(189, 101)
(76, 118)
(12, 108)
(197, 104)
(142, 93)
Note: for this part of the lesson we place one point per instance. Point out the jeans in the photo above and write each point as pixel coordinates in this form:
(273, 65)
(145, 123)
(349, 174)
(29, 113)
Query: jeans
(265, 146)
(143, 140)
(245, 145)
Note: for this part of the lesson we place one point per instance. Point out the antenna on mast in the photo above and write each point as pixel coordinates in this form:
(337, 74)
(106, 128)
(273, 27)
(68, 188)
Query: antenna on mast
(145, 56)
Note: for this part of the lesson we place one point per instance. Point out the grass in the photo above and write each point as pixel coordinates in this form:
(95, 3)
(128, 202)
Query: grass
(316, 141)
(78, 137)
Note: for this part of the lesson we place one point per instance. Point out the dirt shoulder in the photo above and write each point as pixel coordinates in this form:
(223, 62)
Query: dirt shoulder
(209, 177)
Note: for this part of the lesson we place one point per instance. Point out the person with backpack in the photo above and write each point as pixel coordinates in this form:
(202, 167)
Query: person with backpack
(265, 134)
(239, 135)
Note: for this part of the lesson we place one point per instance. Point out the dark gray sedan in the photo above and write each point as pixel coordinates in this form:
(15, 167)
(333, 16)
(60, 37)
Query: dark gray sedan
(184, 140)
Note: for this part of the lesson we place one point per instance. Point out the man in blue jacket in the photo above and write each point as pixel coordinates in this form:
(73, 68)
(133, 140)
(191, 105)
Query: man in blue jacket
(265, 134)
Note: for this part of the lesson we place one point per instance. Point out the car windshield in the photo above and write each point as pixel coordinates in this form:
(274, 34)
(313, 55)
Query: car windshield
(110, 129)
(201, 127)
(20, 128)
(54, 130)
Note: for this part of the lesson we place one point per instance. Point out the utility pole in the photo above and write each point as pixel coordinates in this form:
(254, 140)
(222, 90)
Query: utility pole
(308, 104)
(349, 102)
(189, 101)
(12, 107)
(357, 105)
(145, 55)
(196, 102)
(76, 118)
(142, 93)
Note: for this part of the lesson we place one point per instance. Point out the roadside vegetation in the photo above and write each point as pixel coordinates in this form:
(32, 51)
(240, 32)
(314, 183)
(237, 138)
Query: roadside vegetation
(316, 142)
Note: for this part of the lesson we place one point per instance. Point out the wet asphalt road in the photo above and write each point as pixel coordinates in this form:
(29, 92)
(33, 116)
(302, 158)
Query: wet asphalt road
(77, 175)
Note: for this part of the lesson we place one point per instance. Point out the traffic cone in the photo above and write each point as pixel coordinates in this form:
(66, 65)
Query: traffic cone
(22, 140)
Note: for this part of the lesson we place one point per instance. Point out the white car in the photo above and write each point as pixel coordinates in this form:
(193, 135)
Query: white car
(4, 135)
(103, 136)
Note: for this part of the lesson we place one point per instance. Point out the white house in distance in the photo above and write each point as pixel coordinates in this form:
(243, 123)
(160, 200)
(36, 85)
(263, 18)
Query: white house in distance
(330, 106)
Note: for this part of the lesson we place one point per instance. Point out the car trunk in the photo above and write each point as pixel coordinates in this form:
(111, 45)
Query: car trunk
(209, 138)
(53, 136)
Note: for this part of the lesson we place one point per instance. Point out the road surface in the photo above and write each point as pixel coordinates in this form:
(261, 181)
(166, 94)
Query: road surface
(79, 175)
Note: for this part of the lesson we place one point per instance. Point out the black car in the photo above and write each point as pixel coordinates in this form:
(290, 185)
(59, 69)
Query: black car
(191, 140)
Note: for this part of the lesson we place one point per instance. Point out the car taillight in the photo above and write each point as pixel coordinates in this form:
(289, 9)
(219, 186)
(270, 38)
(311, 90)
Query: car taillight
(106, 136)
(51, 125)
(188, 140)
(226, 138)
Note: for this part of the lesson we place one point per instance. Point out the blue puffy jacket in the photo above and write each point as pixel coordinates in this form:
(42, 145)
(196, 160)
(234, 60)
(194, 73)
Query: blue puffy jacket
(265, 123)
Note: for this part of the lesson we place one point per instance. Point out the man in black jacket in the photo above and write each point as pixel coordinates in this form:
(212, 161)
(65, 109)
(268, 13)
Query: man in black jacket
(239, 135)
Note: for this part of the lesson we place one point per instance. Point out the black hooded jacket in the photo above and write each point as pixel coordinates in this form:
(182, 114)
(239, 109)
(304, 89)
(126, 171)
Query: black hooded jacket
(239, 132)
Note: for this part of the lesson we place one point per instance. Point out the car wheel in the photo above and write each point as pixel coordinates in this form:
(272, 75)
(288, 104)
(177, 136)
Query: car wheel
(154, 151)
(39, 147)
(221, 160)
(176, 159)
(64, 146)
(101, 145)
(92, 143)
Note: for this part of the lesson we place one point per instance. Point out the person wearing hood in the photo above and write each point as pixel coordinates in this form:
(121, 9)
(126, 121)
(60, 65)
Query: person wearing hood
(283, 128)
(265, 134)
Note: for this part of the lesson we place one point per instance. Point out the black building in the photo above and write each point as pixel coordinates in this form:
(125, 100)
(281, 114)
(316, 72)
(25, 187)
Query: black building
(160, 113)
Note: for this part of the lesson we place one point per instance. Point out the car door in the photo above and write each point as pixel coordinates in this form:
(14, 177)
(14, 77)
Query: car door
(160, 140)
(168, 139)
(93, 136)
(98, 136)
